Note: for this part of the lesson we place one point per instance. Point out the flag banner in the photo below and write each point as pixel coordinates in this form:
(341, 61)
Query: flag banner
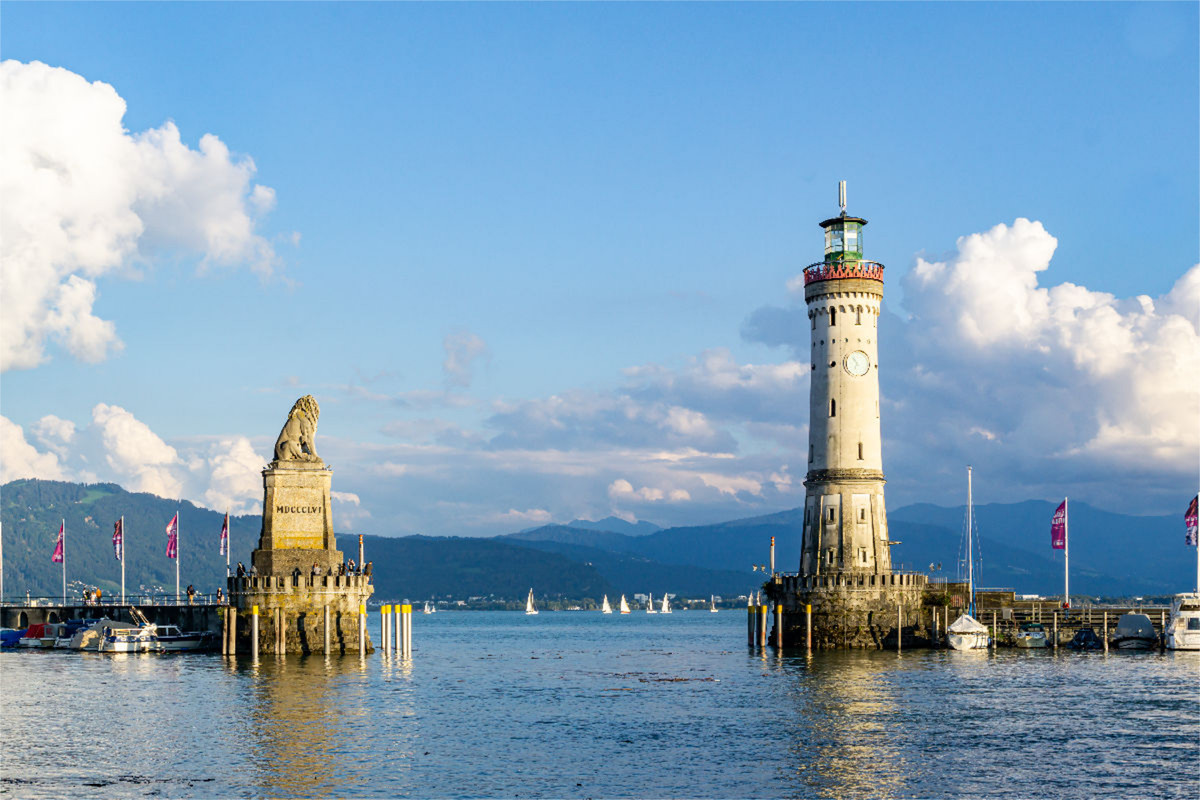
(57, 558)
(1058, 527)
(119, 540)
(225, 535)
(173, 537)
(1192, 520)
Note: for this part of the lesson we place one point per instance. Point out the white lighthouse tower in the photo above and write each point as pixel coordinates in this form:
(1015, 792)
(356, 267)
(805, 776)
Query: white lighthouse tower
(845, 523)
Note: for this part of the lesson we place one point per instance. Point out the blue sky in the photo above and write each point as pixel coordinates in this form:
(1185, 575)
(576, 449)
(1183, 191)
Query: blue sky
(593, 209)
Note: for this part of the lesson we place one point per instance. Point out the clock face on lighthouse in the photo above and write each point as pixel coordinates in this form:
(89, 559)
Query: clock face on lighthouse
(857, 363)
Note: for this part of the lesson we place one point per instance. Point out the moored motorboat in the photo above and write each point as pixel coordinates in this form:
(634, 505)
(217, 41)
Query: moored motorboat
(1086, 639)
(35, 636)
(128, 639)
(1183, 630)
(1134, 632)
(1031, 635)
(169, 638)
(967, 633)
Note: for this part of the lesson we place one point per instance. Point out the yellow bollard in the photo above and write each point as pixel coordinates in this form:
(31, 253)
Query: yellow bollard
(362, 629)
(385, 630)
(406, 639)
(808, 627)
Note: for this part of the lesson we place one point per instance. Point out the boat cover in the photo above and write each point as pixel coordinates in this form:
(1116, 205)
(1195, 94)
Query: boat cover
(967, 624)
(1136, 626)
(9, 638)
(36, 631)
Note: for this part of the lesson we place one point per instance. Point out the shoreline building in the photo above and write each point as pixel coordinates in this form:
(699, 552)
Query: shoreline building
(845, 571)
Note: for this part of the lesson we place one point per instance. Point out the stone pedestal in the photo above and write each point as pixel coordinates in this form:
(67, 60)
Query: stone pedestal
(854, 610)
(291, 597)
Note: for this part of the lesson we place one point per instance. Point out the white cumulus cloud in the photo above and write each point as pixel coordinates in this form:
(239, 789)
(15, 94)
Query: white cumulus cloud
(81, 197)
(19, 459)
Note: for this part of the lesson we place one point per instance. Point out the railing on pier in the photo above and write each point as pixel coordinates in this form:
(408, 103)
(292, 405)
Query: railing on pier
(114, 600)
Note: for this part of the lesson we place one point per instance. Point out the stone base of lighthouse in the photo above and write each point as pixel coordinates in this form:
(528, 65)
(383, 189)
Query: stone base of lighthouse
(854, 610)
(293, 612)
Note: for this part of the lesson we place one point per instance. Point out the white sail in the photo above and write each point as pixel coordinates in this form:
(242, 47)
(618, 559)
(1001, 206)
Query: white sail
(605, 608)
(529, 609)
(666, 604)
(624, 605)
(712, 600)
(650, 604)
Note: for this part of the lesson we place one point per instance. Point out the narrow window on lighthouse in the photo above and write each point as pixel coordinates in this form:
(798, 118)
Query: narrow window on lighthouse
(860, 458)
(858, 317)
(832, 407)
(831, 515)
(832, 317)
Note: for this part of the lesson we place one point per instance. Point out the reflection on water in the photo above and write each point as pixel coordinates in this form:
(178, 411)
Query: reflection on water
(580, 705)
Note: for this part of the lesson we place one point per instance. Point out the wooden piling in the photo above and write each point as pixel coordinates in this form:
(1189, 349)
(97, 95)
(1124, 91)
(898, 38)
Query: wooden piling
(225, 633)
(751, 625)
(1106, 631)
(325, 630)
(1055, 630)
(899, 628)
(762, 626)
(779, 626)
(398, 620)
(994, 639)
(385, 628)
(362, 629)
(232, 631)
(808, 626)
(254, 633)
(406, 638)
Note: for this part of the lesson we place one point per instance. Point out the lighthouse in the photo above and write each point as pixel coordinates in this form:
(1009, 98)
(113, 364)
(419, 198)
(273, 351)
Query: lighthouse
(847, 591)
(845, 522)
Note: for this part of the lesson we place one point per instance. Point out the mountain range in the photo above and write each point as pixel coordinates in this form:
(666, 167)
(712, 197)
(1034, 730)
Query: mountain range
(1112, 554)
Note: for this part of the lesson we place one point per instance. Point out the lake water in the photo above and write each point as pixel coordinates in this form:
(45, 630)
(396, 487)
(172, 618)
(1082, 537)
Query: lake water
(576, 704)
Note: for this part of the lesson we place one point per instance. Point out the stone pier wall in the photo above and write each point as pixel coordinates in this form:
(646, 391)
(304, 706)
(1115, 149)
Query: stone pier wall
(301, 604)
(854, 610)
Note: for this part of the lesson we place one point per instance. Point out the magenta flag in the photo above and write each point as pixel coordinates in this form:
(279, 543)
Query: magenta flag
(57, 558)
(225, 534)
(119, 540)
(173, 537)
(1058, 527)
(1192, 520)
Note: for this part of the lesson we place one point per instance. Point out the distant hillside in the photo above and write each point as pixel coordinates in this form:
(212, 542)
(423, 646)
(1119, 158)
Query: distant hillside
(617, 525)
(31, 511)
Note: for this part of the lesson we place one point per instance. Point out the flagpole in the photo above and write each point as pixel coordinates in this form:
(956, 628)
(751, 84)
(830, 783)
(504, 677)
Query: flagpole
(228, 540)
(177, 526)
(1066, 555)
(122, 559)
(64, 562)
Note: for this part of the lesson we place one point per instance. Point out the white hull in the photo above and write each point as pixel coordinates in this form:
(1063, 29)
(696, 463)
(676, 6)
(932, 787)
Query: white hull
(967, 641)
(1031, 641)
(1183, 631)
(1185, 641)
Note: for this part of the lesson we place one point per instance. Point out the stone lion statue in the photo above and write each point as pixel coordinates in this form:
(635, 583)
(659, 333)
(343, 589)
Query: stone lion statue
(296, 440)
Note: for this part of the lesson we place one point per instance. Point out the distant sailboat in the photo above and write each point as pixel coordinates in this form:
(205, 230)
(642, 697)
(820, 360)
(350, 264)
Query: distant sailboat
(666, 604)
(430, 608)
(624, 608)
(650, 604)
(712, 599)
(605, 608)
(529, 609)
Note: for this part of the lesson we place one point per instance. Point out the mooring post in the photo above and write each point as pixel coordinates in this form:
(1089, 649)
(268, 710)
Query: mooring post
(325, 629)
(1162, 631)
(232, 631)
(385, 628)
(406, 625)
(779, 627)
(750, 625)
(398, 620)
(1106, 631)
(254, 633)
(899, 629)
(808, 627)
(995, 641)
(225, 633)
(362, 629)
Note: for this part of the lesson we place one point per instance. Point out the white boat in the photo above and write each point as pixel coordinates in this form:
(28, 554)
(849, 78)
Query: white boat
(88, 638)
(529, 609)
(1031, 636)
(650, 605)
(1183, 629)
(624, 607)
(430, 608)
(169, 638)
(666, 605)
(605, 608)
(966, 632)
(1134, 632)
(712, 603)
(131, 639)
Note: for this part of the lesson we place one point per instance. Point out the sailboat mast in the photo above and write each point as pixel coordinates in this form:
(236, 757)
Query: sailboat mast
(970, 556)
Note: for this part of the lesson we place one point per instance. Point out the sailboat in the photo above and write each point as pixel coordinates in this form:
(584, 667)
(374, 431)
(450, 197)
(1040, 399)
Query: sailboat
(966, 632)
(605, 608)
(624, 607)
(430, 608)
(650, 605)
(712, 603)
(666, 604)
(529, 609)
